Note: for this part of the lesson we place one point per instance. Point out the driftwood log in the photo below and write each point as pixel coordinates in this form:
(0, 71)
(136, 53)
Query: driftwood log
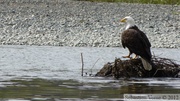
(162, 67)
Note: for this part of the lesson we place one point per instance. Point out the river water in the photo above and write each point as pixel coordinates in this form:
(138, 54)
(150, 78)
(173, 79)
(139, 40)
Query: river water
(49, 73)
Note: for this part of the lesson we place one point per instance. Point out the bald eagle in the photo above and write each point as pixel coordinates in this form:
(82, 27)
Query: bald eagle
(137, 42)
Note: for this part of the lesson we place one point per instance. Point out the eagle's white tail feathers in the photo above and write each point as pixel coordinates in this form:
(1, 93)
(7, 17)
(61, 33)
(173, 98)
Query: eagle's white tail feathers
(146, 64)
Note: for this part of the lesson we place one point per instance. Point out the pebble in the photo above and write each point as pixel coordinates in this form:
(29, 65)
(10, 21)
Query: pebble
(83, 23)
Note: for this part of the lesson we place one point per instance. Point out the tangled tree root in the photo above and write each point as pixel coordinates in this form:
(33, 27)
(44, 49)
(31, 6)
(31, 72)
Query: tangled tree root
(162, 67)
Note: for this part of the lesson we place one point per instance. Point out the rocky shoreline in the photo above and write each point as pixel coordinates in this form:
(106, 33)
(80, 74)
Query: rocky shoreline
(82, 23)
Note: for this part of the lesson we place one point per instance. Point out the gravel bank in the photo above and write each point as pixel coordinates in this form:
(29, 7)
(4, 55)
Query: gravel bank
(80, 23)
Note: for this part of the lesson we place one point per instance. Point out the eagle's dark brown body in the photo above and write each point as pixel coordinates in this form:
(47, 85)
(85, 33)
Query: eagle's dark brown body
(137, 42)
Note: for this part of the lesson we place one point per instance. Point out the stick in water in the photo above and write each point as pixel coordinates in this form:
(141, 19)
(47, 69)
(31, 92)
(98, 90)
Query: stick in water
(82, 71)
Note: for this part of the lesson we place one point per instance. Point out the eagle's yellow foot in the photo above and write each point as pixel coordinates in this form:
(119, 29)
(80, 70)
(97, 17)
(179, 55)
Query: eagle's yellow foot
(129, 56)
(126, 56)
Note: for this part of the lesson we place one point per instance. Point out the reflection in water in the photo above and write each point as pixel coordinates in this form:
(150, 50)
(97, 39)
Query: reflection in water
(49, 90)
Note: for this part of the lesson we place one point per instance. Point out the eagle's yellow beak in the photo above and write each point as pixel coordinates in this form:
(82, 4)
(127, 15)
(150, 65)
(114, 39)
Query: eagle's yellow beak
(123, 20)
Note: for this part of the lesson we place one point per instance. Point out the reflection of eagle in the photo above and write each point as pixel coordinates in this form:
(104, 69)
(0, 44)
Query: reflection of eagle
(137, 42)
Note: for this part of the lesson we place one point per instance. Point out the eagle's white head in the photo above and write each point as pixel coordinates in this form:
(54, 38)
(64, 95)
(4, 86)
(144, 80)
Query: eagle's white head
(129, 21)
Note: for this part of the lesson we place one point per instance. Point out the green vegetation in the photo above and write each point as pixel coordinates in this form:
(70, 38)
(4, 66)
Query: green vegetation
(141, 1)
